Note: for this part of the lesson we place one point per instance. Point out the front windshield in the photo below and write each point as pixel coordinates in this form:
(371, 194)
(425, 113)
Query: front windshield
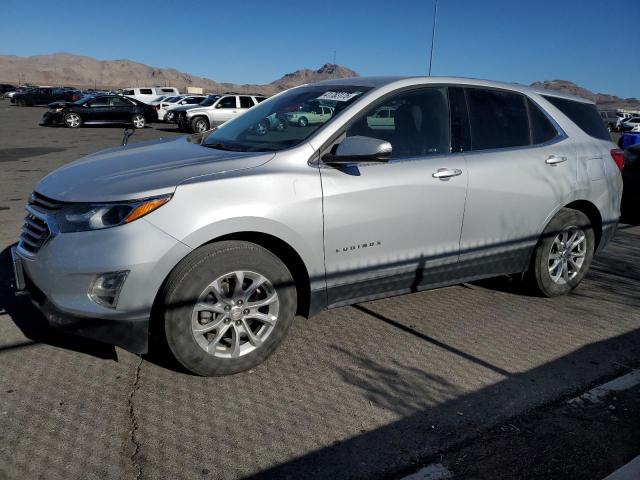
(286, 120)
(210, 100)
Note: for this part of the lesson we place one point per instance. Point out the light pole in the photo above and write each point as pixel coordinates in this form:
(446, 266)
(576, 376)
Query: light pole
(433, 33)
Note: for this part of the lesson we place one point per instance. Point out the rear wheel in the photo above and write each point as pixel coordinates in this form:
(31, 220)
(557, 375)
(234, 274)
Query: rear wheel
(21, 102)
(227, 306)
(563, 254)
(199, 124)
(303, 122)
(72, 120)
(138, 121)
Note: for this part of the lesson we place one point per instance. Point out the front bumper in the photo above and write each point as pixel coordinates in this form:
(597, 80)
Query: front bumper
(51, 118)
(58, 278)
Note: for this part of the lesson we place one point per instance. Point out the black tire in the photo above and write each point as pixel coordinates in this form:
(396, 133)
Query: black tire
(199, 124)
(21, 102)
(303, 122)
(71, 124)
(538, 277)
(187, 282)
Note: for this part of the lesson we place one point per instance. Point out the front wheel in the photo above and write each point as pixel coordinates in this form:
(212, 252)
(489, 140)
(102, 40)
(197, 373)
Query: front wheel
(563, 254)
(72, 120)
(138, 121)
(21, 102)
(199, 125)
(227, 306)
(303, 122)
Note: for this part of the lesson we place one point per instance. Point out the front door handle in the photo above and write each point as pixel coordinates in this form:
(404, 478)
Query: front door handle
(554, 160)
(446, 173)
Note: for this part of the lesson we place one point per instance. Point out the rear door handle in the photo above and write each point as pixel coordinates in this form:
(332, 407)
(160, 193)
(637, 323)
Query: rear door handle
(446, 174)
(554, 160)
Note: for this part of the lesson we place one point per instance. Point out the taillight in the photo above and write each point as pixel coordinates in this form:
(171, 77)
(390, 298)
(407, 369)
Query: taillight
(618, 157)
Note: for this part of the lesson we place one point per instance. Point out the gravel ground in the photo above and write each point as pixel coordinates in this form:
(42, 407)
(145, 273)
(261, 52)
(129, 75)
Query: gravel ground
(367, 391)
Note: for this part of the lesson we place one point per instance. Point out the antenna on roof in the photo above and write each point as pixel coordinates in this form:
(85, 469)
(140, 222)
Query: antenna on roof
(433, 33)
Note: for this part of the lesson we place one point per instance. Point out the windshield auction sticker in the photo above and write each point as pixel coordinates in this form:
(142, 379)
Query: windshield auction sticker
(338, 96)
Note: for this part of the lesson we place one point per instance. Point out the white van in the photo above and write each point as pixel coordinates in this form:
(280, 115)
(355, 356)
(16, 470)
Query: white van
(149, 94)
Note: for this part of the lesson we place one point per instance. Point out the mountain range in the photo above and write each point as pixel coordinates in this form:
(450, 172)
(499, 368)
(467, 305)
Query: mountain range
(86, 72)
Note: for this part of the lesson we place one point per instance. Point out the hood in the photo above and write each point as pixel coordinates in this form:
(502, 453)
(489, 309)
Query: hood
(141, 170)
(182, 108)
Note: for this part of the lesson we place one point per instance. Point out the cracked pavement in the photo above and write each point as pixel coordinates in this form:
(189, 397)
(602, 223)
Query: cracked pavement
(368, 391)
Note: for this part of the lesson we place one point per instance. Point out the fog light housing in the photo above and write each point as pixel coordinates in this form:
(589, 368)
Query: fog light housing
(105, 289)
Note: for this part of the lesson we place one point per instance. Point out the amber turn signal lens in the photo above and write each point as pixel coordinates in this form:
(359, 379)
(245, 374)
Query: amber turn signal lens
(145, 208)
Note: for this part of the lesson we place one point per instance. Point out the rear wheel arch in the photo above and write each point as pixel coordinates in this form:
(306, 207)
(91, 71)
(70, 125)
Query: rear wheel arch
(593, 214)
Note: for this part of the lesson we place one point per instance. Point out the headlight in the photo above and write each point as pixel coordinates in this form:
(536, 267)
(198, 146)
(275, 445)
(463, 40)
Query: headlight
(58, 110)
(82, 217)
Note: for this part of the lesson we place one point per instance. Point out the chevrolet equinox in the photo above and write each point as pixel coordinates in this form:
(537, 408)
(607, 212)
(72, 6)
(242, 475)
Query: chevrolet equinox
(215, 242)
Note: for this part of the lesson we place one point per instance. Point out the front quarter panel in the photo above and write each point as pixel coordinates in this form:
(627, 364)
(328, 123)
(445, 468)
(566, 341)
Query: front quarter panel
(282, 198)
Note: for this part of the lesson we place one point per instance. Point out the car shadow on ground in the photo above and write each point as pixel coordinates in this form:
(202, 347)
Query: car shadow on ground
(33, 324)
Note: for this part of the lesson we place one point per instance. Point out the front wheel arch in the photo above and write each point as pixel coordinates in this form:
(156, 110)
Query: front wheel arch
(281, 249)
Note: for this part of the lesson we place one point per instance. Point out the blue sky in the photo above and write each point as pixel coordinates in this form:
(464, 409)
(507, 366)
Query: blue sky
(257, 42)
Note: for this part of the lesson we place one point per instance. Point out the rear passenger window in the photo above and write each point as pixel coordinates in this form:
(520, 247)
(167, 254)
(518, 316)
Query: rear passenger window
(246, 102)
(542, 130)
(498, 119)
(585, 115)
(146, 91)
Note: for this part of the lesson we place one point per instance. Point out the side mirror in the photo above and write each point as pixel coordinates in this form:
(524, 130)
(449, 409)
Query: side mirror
(219, 105)
(359, 149)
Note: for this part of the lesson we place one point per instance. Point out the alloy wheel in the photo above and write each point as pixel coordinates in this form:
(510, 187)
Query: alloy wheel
(138, 121)
(73, 120)
(567, 255)
(235, 314)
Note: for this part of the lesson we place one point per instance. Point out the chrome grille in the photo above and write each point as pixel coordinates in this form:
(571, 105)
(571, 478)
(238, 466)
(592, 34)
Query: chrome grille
(35, 230)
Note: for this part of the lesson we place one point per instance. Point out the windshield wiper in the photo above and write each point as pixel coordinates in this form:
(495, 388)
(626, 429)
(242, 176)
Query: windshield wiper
(222, 146)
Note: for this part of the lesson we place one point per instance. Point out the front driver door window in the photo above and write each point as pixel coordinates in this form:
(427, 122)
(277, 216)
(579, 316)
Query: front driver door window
(226, 109)
(392, 227)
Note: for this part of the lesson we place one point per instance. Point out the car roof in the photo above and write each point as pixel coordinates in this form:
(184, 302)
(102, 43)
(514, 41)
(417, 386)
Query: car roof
(377, 82)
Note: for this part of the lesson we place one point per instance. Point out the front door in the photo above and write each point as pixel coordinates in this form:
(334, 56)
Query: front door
(394, 228)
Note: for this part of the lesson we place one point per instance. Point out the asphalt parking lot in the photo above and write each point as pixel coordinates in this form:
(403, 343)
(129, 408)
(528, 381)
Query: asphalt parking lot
(369, 391)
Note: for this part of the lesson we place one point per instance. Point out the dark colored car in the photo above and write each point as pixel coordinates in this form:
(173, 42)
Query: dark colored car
(45, 95)
(101, 109)
(5, 87)
(631, 189)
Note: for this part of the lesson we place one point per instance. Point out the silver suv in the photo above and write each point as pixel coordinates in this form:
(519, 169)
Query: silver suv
(214, 111)
(216, 242)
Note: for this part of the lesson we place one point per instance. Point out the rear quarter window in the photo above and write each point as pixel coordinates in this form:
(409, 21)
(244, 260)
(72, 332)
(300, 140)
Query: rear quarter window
(584, 115)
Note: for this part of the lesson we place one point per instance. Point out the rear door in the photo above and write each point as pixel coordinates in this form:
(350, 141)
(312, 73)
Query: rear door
(120, 109)
(521, 169)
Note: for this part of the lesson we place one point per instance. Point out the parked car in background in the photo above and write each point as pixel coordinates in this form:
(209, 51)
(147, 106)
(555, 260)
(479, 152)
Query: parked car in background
(45, 95)
(149, 94)
(622, 116)
(631, 179)
(214, 111)
(311, 113)
(168, 106)
(224, 240)
(610, 119)
(101, 109)
(629, 124)
(5, 87)
(383, 119)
